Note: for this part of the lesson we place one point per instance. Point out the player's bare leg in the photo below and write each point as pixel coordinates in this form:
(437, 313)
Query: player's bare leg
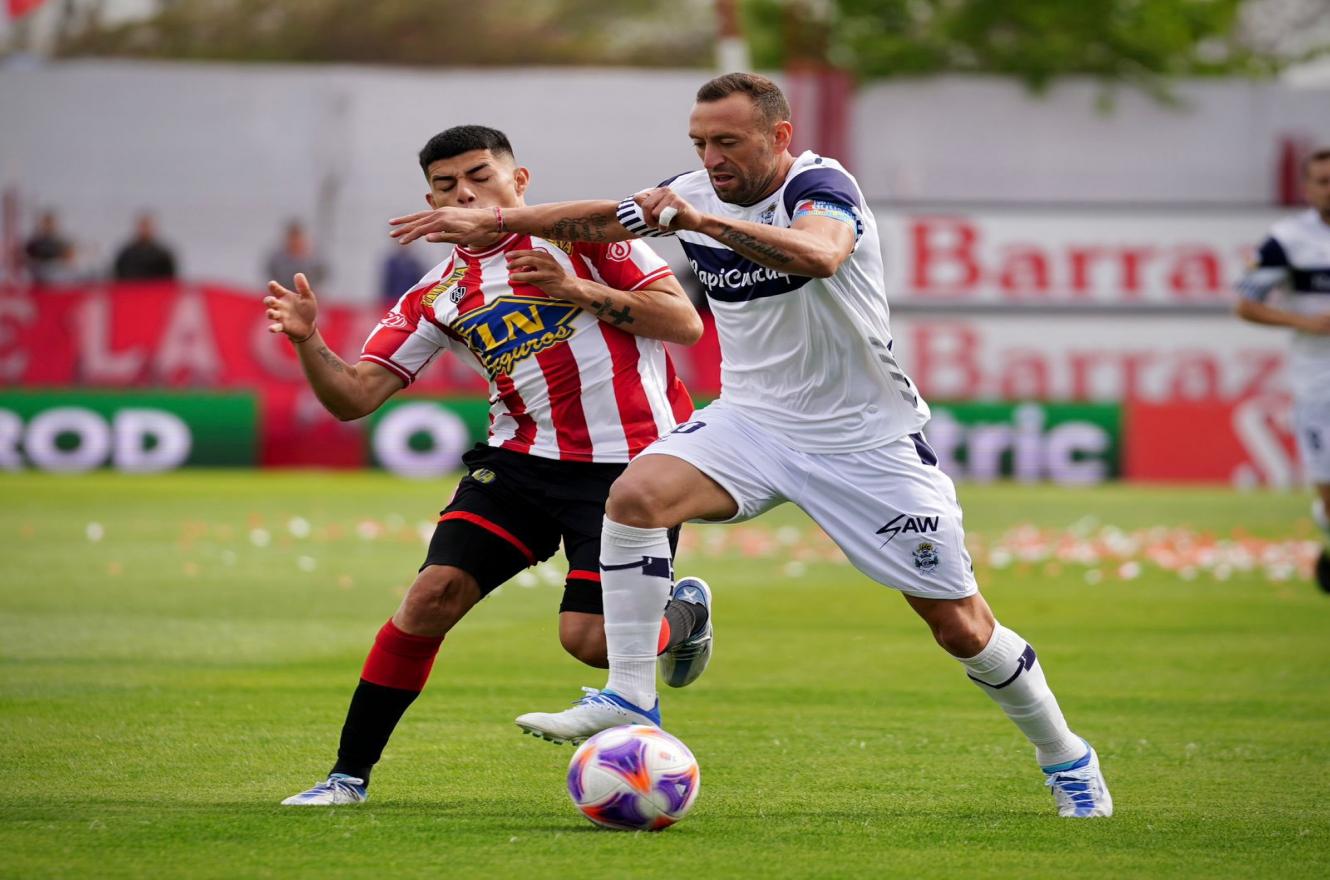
(1321, 515)
(1005, 667)
(654, 494)
(394, 674)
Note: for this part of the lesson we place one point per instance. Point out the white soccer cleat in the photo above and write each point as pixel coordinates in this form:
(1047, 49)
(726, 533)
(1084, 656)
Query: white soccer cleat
(681, 665)
(596, 711)
(1079, 788)
(336, 790)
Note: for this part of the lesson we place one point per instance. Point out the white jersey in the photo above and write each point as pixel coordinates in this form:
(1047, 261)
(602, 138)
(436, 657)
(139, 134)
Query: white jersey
(1296, 258)
(809, 359)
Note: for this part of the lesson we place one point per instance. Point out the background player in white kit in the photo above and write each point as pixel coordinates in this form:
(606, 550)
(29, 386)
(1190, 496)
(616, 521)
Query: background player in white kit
(814, 409)
(1296, 258)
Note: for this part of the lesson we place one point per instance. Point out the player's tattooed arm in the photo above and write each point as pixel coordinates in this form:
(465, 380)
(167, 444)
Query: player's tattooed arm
(814, 247)
(595, 228)
(604, 309)
(333, 361)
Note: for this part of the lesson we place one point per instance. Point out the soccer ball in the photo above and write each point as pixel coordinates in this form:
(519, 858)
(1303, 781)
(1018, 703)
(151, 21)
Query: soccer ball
(633, 778)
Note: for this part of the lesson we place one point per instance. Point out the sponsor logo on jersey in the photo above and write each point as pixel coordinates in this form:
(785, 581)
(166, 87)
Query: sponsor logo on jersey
(452, 279)
(619, 251)
(905, 524)
(926, 556)
(513, 328)
(736, 278)
(395, 320)
(565, 246)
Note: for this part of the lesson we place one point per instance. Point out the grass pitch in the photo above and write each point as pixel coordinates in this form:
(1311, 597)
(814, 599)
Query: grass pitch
(177, 653)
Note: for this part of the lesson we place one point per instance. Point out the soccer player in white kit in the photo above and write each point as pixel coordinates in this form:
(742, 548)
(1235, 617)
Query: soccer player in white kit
(814, 409)
(1296, 257)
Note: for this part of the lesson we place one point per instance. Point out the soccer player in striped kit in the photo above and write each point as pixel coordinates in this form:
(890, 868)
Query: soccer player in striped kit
(814, 409)
(569, 336)
(1295, 257)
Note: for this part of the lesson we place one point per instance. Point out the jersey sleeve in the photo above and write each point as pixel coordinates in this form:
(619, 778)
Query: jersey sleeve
(625, 265)
(631, 216)
(404, 340)
(1268, 271)
(825, 192)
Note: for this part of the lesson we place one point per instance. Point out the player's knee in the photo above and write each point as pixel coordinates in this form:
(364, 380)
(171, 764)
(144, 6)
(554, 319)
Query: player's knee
(963, 636)
(637, 503)
(585, 643)
(439, 597)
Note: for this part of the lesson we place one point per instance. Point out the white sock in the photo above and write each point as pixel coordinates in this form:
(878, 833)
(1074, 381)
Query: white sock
(1008, 671)
(1321, 517)
(635, 578)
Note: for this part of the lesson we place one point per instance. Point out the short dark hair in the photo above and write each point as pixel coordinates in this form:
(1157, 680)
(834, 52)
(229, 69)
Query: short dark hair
(463, 139)
(1320, 155)
(768, 97)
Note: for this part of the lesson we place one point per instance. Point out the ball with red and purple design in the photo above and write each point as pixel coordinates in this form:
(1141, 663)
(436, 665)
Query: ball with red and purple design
(633, 778)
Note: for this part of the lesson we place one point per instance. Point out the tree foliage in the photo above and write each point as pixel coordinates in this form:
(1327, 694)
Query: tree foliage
(1138, 42)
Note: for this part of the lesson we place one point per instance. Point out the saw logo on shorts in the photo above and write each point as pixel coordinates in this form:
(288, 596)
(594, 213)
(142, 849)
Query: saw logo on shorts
(905, 524)
(453, 278)
(513, 328)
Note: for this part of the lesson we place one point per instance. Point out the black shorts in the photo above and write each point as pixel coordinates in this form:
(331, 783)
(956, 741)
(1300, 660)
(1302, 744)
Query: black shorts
(511, 511)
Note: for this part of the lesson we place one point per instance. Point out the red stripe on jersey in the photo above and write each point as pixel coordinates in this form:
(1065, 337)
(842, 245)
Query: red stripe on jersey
(475, 296)
(576, 575)
(662, 272)
(564, 380)
(639, 423)
(493, 528)
(525, 437)
(681, 404)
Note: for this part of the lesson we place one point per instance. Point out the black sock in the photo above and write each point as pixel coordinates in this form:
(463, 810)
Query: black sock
(685, 619)
(370, 719)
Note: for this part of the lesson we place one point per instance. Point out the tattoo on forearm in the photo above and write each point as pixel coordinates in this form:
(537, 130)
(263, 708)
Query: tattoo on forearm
(744, 242)
(577, 229)
(333, 360)
(605, 309)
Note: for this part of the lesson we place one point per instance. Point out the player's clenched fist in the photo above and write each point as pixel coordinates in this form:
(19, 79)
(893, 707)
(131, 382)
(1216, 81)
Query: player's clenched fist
(539, 269)
(292, 311)
(666, 209)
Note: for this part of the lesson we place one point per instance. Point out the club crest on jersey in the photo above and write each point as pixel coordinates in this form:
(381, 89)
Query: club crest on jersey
(513, 328)
(926, 556)
(905, 523)
(458, 292)
(768, 215)
(453, 278)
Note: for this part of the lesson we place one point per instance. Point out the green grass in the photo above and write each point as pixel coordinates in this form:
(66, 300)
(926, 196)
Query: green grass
(164, 687)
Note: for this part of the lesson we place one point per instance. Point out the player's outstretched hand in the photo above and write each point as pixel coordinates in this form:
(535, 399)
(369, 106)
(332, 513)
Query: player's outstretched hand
(292, 312)
(667, 210)
(1319, 324)
(540, 269)
(451, 225)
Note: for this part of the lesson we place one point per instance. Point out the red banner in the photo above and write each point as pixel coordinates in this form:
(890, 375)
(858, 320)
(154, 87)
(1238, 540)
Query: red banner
(171, 335)
(1243, 443)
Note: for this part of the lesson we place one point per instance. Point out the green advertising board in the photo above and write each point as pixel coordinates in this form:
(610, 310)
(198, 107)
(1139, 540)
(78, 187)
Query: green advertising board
(148, 431)
(1069, 443)
(423, 437)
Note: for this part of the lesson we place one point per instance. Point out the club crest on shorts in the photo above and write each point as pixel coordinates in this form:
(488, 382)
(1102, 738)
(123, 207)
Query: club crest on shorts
(926, 556)
(483, 475)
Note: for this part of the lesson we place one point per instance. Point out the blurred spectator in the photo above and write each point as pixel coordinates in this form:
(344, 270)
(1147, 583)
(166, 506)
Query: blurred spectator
(295, 254)
(48, 254)
(144, 257)
(401, 270)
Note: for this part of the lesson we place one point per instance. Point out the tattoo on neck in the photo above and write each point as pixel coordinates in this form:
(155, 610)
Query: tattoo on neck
(577, 229)
(749, 246)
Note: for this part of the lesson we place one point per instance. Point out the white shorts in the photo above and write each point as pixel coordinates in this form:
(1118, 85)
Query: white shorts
(1311, 423)
(890, 509)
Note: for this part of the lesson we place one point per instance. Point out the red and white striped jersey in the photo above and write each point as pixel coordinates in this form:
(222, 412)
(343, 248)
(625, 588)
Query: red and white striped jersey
(563, 384)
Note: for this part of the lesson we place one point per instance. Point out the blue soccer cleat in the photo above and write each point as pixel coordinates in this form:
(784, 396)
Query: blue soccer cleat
(336, 790)
(1079, 788)
(681, 665)
(596, 711)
